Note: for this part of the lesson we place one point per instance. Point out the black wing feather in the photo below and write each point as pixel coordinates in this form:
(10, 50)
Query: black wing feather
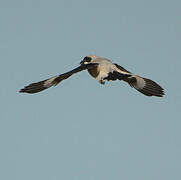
(53, 81)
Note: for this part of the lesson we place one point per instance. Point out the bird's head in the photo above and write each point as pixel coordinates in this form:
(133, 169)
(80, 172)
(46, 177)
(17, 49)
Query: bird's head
(88, 59)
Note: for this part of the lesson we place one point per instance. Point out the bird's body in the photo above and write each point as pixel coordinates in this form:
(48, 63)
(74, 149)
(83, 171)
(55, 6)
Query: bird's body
(102, 70)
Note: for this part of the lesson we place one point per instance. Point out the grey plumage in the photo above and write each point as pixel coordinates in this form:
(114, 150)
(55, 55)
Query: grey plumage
(102, 70)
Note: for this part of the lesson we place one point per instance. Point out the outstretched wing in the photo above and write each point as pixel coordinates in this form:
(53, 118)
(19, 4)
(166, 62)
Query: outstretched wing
(53, 81)
(145, 86)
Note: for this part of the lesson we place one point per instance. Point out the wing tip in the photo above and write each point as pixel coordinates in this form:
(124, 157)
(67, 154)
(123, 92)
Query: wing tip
(150, 88)
(24, 90)
(21, 91)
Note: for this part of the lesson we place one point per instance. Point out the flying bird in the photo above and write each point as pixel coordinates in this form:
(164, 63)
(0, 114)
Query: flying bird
(102, 70)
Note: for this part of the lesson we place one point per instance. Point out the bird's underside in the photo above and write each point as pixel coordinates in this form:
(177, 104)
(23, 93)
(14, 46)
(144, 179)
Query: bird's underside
(102, 70)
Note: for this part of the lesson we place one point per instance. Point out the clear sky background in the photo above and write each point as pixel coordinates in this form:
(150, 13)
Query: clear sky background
(81, 130)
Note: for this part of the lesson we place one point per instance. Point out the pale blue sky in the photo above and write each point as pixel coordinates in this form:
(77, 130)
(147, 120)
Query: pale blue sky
(81, 130)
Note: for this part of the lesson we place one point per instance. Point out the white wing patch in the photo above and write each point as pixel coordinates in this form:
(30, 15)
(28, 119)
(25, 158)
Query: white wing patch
(49, 82)
(122, 72)
(140, 82)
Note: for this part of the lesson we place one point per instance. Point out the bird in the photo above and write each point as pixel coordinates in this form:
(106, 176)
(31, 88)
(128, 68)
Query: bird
(102, 69)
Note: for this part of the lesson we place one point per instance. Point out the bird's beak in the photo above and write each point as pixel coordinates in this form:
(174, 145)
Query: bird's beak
(83, 62)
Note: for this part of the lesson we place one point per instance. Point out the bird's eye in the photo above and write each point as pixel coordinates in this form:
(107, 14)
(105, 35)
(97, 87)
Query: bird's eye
(87, 59)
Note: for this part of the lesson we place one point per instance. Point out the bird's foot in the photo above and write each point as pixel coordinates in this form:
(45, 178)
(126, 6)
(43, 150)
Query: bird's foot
(102, 81)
